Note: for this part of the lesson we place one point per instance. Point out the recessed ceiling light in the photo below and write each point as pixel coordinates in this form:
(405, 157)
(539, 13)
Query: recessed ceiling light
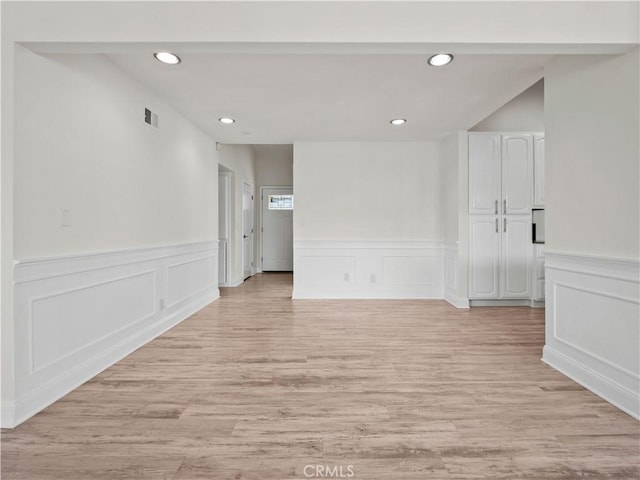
(440, 60)
(398, 121)
(226, 120)
(167, 57)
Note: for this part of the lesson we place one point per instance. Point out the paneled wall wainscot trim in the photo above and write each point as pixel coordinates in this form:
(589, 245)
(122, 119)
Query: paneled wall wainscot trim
(368, 269)
(451, 282)
(77, 315)
(593, 325)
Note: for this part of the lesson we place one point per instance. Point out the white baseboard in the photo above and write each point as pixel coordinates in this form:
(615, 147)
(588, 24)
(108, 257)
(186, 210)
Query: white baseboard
(612, 392)
(233, 284)
(507, 302)
(368, 269)
(457, 302)
(76, 316)
(592, 327)
(405, 293)
(58, 387)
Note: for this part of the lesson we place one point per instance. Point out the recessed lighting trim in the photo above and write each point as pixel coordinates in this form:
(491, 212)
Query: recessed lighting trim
(440, 59)
(167, 57)
(226, 120)
(398, 121)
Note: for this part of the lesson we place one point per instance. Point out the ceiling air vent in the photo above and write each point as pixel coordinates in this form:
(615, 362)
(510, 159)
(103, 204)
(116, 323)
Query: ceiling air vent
(150, 118)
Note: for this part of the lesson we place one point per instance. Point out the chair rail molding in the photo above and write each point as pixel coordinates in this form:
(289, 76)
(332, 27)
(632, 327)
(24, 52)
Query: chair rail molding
(593, 324)
(76, 315)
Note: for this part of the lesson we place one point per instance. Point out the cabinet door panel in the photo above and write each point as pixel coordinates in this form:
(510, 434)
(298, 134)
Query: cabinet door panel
(517, 165)
(515, 268)
(484, 255)
(538, 171)
(484, 174)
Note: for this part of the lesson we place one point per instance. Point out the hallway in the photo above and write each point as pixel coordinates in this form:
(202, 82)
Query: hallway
(257, 386)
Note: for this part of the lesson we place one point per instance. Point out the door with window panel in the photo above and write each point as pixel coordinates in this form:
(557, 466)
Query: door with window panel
(277, 229)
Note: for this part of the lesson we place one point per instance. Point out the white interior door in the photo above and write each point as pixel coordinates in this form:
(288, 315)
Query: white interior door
(277, 229)
(247, 229)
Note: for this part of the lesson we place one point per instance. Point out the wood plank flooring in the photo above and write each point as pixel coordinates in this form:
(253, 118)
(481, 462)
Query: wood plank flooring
(257, 386)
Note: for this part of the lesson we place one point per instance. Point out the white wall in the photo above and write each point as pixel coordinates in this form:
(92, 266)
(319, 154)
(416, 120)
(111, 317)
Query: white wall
(274, 165)
(524, 113)
(140, 254)
(7, 374)
(240, 160)
(450, 194)
(592, 168)
(455, 199)
(593, 214)
(82, 145)
(463, 216)
(450, 156)
(368, 191)
(368, 220)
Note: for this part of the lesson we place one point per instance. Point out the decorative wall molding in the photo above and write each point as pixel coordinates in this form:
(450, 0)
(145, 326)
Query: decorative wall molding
(617, 268)
(42, 268)
(368, 269)
(451, 283)
(77, 315)
(592, 325)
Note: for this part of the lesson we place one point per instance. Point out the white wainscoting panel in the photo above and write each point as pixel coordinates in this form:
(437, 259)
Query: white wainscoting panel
(111, 305)
(77, 315)
(373, 269)
(188, 278)
(451, 283)
(593, 325)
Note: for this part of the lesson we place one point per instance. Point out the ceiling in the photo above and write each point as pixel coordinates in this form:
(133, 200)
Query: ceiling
(328, 70)
(279, 98)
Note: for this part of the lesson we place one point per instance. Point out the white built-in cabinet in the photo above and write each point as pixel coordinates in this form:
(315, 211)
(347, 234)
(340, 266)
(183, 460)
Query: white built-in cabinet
(501, 191)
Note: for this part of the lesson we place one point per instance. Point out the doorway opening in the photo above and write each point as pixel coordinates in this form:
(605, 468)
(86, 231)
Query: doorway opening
(277, 228)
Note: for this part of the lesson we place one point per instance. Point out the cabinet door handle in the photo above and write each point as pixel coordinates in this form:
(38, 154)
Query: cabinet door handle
(495, 207)
(496, 225)
(504, 224)
(504, 206)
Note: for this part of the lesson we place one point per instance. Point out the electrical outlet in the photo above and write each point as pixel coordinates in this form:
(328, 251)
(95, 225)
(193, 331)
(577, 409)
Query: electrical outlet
(161, 304)
(346, 277)
(372, 278)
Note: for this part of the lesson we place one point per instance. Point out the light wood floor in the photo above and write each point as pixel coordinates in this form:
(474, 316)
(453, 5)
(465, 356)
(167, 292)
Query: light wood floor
(257, 386)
